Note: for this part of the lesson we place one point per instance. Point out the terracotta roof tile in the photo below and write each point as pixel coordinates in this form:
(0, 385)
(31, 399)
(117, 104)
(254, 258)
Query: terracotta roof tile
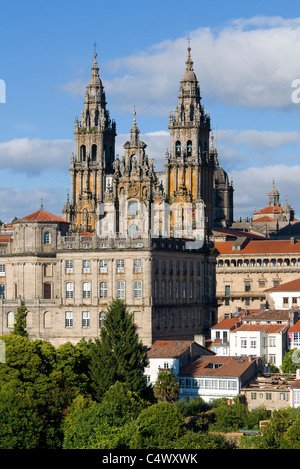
(41, 216)
(229, 366)
(264, 219)
(168, 348)
(295, 328)
(228, 323)
(293, 285)
(275, 328)
(272, 209)
(260, 247)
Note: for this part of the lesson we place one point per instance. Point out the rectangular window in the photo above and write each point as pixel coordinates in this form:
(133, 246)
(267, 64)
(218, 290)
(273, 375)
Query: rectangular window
(121, 289)
(261, 283)
(253, 395)
(247, 286)
(103, 266)
(285, 301)
(85, 319)
(69, 267)
(227, 290)
(243, 343)
(272, 341)
(103, 289)
(137, 266)
(120, 266)
(294, 300)
(2, 291)
(2, 270)
(137, 289)
(86, 267)
(268, 396)
(69, 319)
(252, 343)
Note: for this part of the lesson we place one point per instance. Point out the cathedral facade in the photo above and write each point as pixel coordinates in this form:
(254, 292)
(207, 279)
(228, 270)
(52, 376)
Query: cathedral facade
(127, 231)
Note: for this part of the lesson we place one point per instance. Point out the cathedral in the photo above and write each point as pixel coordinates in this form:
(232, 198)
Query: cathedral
(127, 196)
(127, 231)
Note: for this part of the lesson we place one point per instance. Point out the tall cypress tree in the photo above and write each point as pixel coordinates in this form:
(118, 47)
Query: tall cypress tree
(21, 322)
(118, 354)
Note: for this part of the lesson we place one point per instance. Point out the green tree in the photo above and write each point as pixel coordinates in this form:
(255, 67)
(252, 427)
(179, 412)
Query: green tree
(21, 322)
(37, 384)
(272, 433)
(166, 387)
(158, 426)
(289, 364)
(191, 440)
(118, 355)
(101, 425)
(230, 417)
(291, 438)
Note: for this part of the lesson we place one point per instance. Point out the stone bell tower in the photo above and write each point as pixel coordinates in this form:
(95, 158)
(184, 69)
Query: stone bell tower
(94, 156)
(189, 167)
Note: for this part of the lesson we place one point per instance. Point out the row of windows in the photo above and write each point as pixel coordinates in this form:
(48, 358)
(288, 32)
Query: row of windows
(103, 289)
(85, 319)
(199, 383)
(103, 266)
(176, 289)
(274, 262)
(169, 319)
(177, 267)
(283, 396)
(247, 285)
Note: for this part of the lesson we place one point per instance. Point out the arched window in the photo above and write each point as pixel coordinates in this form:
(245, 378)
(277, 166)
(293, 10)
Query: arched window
(46, 237)
(10, 319)
(133, 207)
(94, 152)
(120, 289)
(178, 148)
(101, 318)
(133, 229)
(82, 153)
(189, 148)
(86, 290)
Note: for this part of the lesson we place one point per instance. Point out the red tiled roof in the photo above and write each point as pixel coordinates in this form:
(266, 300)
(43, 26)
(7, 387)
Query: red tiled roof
(293, 285)
(227, 323)
(275, 328)
(238, 233)
(86, 233)
(271, 315)
(168, 348)
(5, 238)
(296, 384)
(296, 327)
(264, 219)
(41, 216)
(230, 366)
(274, 209)
(268, 246)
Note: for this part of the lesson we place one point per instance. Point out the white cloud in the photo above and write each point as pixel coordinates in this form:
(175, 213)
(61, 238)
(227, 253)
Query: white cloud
(32, 156)
(17, 202)
(247, 62)
(252, 185)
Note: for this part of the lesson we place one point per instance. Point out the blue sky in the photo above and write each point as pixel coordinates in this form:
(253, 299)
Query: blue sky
(246, 56)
